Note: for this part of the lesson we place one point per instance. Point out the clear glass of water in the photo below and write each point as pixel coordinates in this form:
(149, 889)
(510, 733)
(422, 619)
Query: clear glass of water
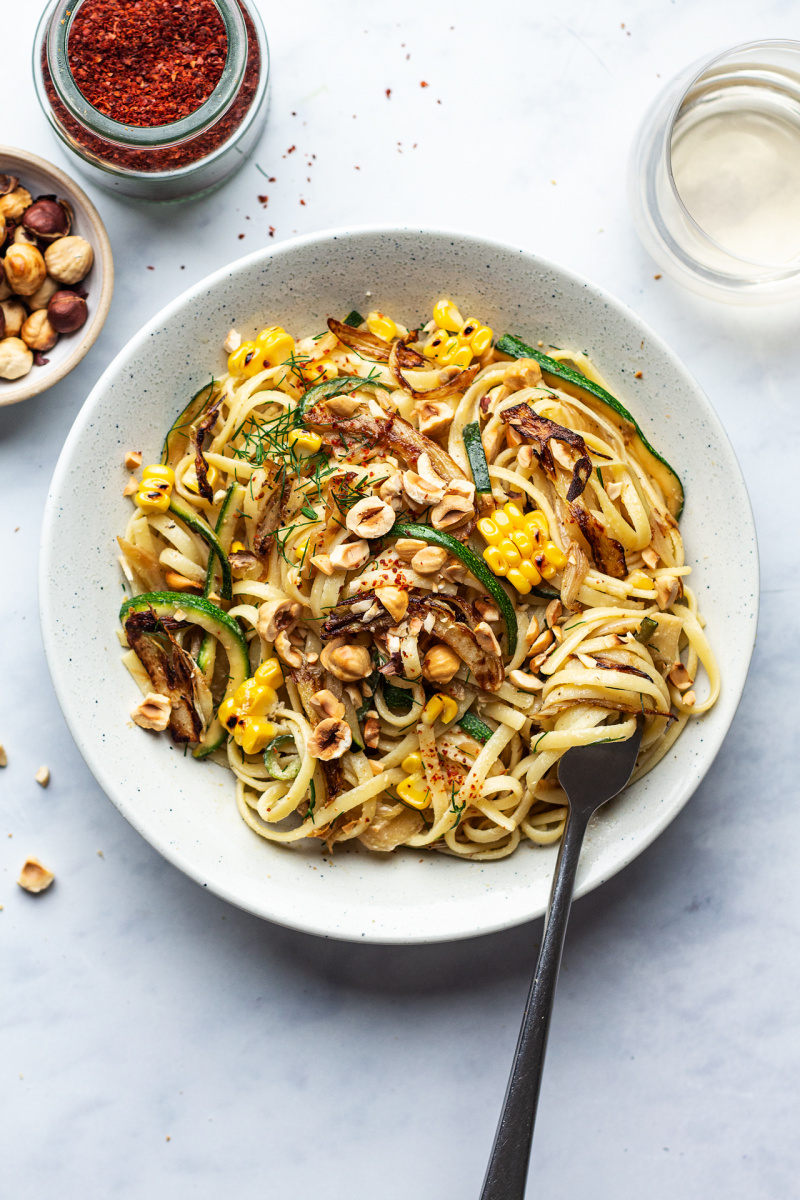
(714, 175)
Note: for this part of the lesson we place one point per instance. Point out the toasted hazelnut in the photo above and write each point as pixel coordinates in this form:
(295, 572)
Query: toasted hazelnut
(179, 583)
(346, 662)
(42, 776)
(552, 614)
(14, 203)
(330, 739)
(349, 556)
(326, 703)
(689, 699)
(3, 757)
(48, 219)
(244, 564)
(420, 490)
(651, 557)
(8, 183)
(484, 636)
(5, 290)
(440, 664)
(667, 588)
(23, 237)
(342, 406)
(41, 297)
(34, 877)
(25, 269)
(454, 571)
(392, 491)
(457, 504)
(523, 373)
(323, 563)
(16, 359)
(370, 518)
(406, 548)
(532, 632)
(429, 560)
(153, 712)
(131, 487)
(680, 677)
(394, 600)
(435, 416)
(67, 311)
(133, 459)
(37, 332)
(541, 642)
(69, 259)
(372, 732)
(232, 342)
(487, 609)
(286, 650)
(14, 316)
(528, 683)
(277, 615)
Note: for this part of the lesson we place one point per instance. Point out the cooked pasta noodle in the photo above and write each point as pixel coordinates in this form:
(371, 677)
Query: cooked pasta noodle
(388, 577)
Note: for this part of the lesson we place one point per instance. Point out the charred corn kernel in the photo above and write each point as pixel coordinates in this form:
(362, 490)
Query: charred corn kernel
(530, 572)
(494, 558)
(273, 346)
(304, 439)
(557, 558)
(439, 706)
(447, 315)
(523, 541)
(241, 357)
(237, 547)
(157, 478)
(269, 672)
(481, 340)
(510, 552)
(548, 570)
(190, 478)
(382, 326)
(435, 344)
(319, 370)
(468, 330)
(226, 711)
(489, 530)
(537, 520)
(412, 763)
(514, 514)
(461, 357)
(518, 580)
(448, 350)
(414, 792)
(301, 549)
(642, 582)
(152, 500)
(503, 522)
(253, 734)
(254, 698)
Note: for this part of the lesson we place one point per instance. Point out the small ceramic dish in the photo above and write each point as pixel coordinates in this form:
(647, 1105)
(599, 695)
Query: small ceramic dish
(41, 178)
(186, 809)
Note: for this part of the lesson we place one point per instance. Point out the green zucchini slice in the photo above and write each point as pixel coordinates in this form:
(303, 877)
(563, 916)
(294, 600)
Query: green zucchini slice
(177, 440)
(477, 457)
(475, 727)
(435, 537)
(573, 382)
(200, 527)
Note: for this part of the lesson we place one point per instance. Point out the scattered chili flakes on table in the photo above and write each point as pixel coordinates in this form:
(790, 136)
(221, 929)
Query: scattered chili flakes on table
(147, 62)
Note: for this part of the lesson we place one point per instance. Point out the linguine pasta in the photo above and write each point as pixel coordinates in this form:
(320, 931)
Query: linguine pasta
(389, 577)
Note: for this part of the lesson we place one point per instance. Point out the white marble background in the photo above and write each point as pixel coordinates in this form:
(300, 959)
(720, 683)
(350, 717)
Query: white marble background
(156, 1042)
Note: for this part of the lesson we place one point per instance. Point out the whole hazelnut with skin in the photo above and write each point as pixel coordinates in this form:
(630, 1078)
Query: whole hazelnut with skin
(66, 311)
(69, 259)
(16, 359)
(41, 297)
(37, 333)
(14, 203)
(48, 219)
(25, 269)
(14, 315)
(22, 237)
(5, 290)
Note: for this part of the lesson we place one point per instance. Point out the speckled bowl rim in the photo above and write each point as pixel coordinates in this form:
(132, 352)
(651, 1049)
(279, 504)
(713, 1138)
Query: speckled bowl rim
(64, 186)
(344, 925)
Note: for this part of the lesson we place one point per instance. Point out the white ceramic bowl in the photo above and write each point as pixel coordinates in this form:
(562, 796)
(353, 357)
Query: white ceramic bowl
(41, 178)
(186, 810)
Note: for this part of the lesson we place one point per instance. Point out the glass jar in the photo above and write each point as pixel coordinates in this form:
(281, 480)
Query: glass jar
(158, 162)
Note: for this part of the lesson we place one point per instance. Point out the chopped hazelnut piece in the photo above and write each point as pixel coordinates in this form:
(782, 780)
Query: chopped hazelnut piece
(133, 459)
(131, 486)
(3, 757)
(42, 776)
(232, 342)
(153, 712)
(34, 877)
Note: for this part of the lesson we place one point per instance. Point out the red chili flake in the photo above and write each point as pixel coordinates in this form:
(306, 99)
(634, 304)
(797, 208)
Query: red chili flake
(151, 268)
(291, 150)
(263, 200)
(272, 231)
(302, 202)
(424, 84)
(241, 235)
(147, 62)
(388, 93)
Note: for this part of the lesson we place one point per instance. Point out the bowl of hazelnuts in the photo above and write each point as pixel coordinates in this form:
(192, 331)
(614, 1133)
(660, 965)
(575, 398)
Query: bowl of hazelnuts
(56, 274)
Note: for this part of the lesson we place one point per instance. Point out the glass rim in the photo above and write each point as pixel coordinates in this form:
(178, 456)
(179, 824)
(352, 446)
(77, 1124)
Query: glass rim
(144, 137)
(760, 43)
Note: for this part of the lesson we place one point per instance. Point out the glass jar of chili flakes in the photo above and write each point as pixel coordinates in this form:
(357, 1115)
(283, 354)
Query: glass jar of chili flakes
(158, 99)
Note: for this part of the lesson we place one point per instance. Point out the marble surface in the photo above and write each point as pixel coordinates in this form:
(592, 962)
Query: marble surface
(156, 1042)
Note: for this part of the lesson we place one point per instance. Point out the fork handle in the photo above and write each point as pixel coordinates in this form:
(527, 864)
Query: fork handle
(508, 1164)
